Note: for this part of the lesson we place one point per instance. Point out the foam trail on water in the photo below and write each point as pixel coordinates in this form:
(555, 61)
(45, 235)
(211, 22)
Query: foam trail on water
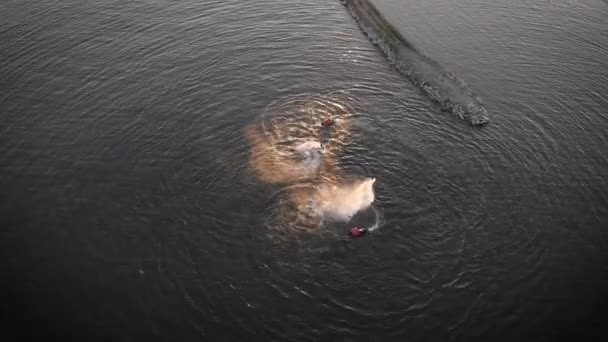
(441, 86)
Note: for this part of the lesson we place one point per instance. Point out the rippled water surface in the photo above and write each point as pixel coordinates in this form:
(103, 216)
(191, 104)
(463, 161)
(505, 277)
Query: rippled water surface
(129, 207)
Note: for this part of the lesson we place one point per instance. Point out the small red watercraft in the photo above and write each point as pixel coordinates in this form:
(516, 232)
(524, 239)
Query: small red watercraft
(327, 122)
(357, 232)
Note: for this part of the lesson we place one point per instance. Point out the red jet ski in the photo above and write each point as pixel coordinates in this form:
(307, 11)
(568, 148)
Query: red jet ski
(357, 231)
(327, 122)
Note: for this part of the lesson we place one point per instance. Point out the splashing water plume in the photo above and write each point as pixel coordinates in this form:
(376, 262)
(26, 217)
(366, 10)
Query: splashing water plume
(342, 202)
(291, 147)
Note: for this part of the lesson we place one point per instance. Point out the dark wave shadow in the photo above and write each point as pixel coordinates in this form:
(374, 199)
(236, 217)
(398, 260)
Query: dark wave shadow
(440, 85)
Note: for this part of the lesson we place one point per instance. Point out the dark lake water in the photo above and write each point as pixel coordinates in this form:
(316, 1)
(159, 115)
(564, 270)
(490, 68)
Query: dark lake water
(129, 211)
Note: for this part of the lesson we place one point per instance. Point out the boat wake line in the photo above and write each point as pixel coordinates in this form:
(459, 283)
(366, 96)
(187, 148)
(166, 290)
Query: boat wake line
(441, 86)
